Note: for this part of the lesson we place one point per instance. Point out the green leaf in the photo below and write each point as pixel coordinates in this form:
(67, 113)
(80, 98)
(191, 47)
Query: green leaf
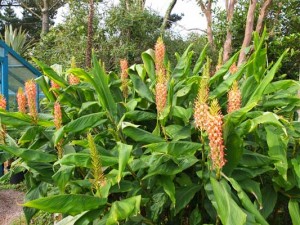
(29, 135)
(294, 211)
(277, 143)
(169, 187)
(140, 116)
(183, 63)
(246, 202)
(224, 69)
(184, 195)
(141, 135)
(258, 92)
(124, 155)
(140, 86)
(149, 65)
(195, 217)
(124, 209)
(175, 148)
(62, 176)
(48, 71)
(28, 154)
(45, 87)
(227, 209)
(69, 204)
(198, 64)
(269, 197)
(80, 124)
(184, 114)
(84, 160)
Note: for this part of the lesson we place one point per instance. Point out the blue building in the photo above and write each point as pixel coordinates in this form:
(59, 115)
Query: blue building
(15, 71)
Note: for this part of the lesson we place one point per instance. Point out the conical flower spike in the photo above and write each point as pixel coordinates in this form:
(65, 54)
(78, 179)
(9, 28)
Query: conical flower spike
(160, 50)
(201, 107)
(97, 172)
(30, 88)
(234, 98)
(73, 80)
(215, 136)
(233, 68)
(21, 100)
(57, 115)
(54, 85)
(2, 102)
(124, 77)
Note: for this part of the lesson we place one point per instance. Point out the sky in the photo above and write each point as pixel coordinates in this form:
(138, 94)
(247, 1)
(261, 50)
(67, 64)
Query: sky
(192, 20)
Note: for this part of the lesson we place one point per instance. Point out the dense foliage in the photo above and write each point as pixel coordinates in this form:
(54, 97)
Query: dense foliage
(130, 149)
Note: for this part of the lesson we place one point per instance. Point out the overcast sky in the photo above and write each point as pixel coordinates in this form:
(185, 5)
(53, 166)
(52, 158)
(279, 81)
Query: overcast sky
(191, 21)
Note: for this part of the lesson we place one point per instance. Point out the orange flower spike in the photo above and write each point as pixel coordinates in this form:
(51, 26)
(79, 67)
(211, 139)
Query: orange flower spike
(201, 107)
(21, 100)
(57, 115)
(234, 98)
(160, 50)
(30, 88)
(2, 102)
(54, 85)
(124, 77)
(215, 136)
(161, 96)
(73, 80)
(233, 68)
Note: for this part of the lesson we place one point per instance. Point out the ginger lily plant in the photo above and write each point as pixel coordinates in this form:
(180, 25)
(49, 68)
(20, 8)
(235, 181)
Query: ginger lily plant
(163, 149)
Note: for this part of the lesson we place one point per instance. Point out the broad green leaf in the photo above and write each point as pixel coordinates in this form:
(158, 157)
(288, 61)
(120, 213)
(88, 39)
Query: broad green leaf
(28, 154)
(224, 69)
(44, 170)
(228, 210)
(69, 204)
(140, 86)
(257, 94)
(253, 188)
(45, 88)
(175, 148)
(35, 192)
(294, 211)
(246, 202)
(149, 65)
(266, 118)
(195, 218)
(168, 187)
(280, 85)
(124, 209)
(269, 197)
(62, 176)
(48, 71)
(184, 195)
(198, 64)
(80, 124)
(140, 116)
(29, 135)
(182, 64)
(277, 143)
(253, 159)
(225, 86)
(84, 160)
(177, 132)
(166, 165)
(141, 135)
(184, 114)
(124, 155)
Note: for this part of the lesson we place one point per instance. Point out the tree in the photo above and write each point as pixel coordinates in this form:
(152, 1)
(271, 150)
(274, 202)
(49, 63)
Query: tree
(90, 34)
(248, 30)
(229, 5)
(207, 10)
(46, 9)
(167, 16)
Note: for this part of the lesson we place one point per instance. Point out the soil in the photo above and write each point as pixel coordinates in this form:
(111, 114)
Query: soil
(9, 206)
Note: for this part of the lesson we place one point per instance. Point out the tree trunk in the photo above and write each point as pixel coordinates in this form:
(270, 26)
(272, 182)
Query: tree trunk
(45, 18)
(207, 12)
(90, 35)
(167, 16)
(262, 15)
(248, 31)
(227, 44)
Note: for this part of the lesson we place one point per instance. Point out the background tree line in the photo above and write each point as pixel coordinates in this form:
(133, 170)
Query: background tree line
(125, 30)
